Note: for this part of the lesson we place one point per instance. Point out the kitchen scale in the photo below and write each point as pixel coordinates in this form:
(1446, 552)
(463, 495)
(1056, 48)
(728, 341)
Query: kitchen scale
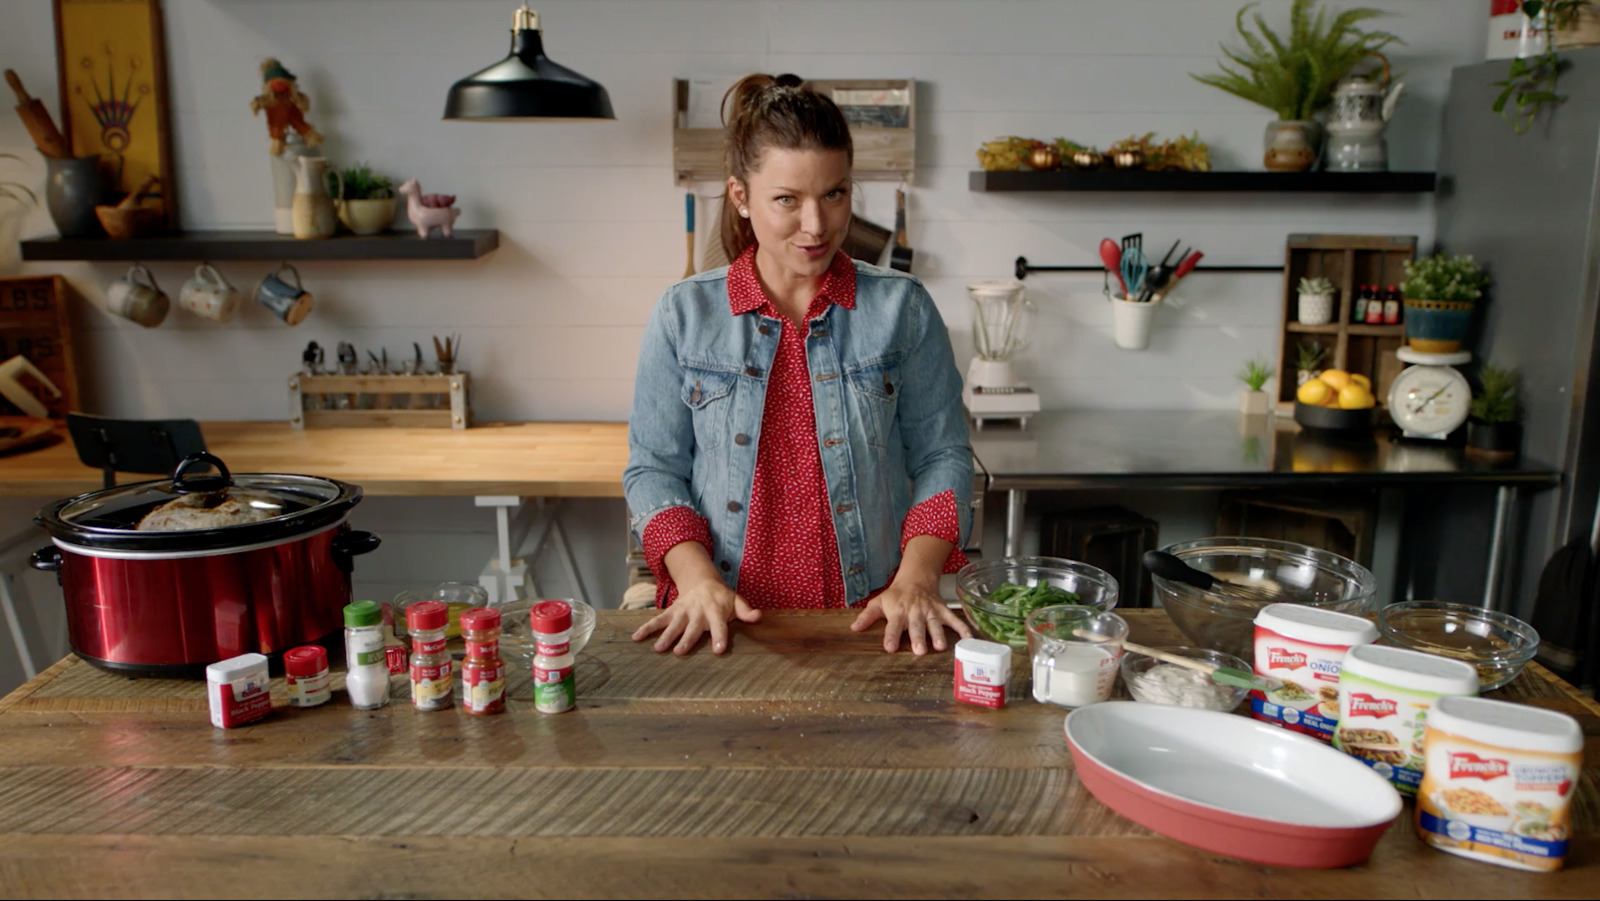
(1430, 399)
(1001, 321)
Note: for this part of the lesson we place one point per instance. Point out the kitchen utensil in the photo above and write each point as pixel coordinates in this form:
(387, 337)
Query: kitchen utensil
(865, 240)
(1230, 785)
(1073, 652)
(138, 298)
(1000, 326)
(1131, 322)
(688, 216)
(1201, 692)
(714, 257)
(1005, 620)
(1159, 275)
(446, 352)
(19, 380)
(1111, 256)
(1133, 241)
(287, 300)
(1497, 644)
(1184, 268)
(1219, 673)
(129, 219)
(169, 603)
(1292, 573)
(1134, 268)
(900, 256)
(1167, 566)
(37, 119)
(72, 189)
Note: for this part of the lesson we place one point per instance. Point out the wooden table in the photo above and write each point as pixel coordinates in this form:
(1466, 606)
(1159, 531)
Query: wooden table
(527, 459)
(805, 763)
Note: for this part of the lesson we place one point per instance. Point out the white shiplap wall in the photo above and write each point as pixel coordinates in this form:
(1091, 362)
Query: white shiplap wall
(590, 220)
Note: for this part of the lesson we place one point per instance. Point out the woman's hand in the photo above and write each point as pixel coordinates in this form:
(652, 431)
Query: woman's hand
(911, 605)
(705, 604)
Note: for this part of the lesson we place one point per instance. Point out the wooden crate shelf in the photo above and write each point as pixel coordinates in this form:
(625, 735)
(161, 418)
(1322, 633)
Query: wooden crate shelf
(1349, 261)
(380, 401)
(881, 153)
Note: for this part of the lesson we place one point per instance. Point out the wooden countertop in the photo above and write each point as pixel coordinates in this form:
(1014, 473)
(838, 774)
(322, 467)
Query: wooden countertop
(549, 459)
(805, 763)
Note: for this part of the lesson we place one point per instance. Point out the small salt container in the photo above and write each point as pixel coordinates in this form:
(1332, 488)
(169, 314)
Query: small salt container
(239, 690)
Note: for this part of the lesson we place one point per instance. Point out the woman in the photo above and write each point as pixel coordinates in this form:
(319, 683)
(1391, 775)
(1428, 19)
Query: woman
(797, 438)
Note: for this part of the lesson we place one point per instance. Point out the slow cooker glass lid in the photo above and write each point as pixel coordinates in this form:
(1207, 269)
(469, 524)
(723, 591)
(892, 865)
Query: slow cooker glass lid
(122, 507)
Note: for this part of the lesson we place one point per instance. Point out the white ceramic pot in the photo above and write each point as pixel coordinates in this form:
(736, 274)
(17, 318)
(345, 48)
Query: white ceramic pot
(1254, 403)
(1316, 309)
(366, 217)
(1131, 322)
(1292, 145)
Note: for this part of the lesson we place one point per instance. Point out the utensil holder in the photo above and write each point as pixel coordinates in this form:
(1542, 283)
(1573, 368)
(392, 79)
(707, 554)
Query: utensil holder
(380, 401)
(72, 189)
(1131, 322)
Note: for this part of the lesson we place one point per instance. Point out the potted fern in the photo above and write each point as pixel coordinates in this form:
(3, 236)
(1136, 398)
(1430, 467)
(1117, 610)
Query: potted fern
(1495, 428)
(1293, 75)
(1440, 293)
(367, 203)
(1253, 401)
(15, 198)
(1316, 301)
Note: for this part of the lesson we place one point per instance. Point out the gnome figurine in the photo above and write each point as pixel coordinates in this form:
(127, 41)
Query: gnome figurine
(285, 106)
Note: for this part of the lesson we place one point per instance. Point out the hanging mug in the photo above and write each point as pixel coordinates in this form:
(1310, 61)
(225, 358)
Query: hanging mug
(208, 295)
(137, 297)
(287, 301)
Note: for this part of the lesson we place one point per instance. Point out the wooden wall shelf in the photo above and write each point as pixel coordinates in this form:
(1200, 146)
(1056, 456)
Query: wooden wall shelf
(1174, 180)
(881, 153)
(222, 246)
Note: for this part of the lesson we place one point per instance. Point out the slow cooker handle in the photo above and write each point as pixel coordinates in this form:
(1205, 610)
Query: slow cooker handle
(200, 484)
(348, 544)
(47, 559)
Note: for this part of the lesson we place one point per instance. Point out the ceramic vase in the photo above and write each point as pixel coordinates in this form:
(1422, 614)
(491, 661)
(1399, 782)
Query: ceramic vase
(366, 217)
(72, 189)
(1254, 403)
(1437, 326)
(1131, 322)
(1292, 145)
(1316, 309)
(314, 216)
(284, 166)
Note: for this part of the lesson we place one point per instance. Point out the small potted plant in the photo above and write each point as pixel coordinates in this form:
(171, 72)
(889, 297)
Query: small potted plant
(1494, 429)
(1253, 401)
(367, 204)
(1440, 293)
(1308, 357)
(15, 198)
(1294, 74)
(1316, 301)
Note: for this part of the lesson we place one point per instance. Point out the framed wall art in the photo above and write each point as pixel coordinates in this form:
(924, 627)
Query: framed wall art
(112, 68)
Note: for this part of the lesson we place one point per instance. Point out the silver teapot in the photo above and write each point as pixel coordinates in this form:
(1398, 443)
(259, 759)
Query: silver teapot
(1361, 108)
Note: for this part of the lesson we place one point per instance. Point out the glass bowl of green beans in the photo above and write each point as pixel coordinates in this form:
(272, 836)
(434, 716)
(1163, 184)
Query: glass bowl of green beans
(998, 595)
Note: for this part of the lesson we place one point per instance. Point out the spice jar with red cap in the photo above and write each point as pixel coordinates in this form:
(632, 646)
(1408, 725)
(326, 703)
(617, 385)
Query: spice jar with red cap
(432, 677)
(554, 689)
(483, 673)
(306, 671)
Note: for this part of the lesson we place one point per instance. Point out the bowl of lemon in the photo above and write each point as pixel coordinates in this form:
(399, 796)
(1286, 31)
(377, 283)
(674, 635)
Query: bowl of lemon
(1335, 401)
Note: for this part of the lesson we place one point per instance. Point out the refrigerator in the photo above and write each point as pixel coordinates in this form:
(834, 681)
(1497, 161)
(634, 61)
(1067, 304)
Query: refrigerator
(1528, 206)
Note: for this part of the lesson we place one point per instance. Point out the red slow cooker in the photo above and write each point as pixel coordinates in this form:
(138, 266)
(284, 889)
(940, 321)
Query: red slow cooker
(223, 565)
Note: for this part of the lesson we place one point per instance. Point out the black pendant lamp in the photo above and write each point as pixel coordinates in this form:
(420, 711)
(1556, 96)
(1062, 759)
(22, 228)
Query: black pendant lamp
(527, 84)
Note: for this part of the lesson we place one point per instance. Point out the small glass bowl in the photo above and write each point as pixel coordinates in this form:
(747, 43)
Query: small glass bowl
(1135, 666)
(516, 636)
(1496, 644)
(976, 581)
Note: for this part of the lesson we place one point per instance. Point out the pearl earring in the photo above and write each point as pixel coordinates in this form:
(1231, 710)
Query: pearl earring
(744, 212)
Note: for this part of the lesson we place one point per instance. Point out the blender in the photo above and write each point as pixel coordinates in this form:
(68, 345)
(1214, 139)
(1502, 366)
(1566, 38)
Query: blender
(1001, 321)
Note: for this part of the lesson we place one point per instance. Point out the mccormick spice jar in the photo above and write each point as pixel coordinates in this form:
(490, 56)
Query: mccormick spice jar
(483, 674)
(555, 690)
(366, 672)
(982, 671)
(1304, 648)
(1499, 782)
(1385, 697)
(431, 676)
(305, 669)
(239, 690)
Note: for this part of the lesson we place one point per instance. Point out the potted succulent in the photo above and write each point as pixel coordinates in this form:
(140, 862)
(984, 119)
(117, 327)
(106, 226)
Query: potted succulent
(1440, 293)
(1495, 428)
(1294, 75)
(1308, 357)
(1316, 301)
(1254, 401)
(367, 203)
(15, 198)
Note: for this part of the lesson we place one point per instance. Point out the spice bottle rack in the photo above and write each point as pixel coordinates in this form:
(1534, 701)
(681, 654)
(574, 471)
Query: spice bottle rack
(380, 401)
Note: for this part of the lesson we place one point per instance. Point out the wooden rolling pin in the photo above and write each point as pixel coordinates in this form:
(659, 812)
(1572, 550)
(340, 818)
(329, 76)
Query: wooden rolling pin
(37, 119)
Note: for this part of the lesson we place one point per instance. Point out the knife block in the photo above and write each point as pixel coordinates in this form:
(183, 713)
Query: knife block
(380, 401)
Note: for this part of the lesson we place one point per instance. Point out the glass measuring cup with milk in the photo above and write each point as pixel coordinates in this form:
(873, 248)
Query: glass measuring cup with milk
(1074, 652)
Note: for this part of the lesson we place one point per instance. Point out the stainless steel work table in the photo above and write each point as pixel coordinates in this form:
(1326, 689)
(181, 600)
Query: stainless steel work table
(1177, 449)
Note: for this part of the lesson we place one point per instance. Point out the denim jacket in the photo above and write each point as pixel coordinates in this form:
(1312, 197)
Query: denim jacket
(887, 400)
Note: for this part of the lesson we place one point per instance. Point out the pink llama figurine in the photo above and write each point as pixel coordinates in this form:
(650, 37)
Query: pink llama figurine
(429, 211)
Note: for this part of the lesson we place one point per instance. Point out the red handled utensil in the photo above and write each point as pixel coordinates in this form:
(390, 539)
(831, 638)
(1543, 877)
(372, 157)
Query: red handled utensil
(1111, 256)
(1184, 268)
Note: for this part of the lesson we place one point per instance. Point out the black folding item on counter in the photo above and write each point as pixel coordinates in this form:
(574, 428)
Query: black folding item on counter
(1562, 608)
(151, 446)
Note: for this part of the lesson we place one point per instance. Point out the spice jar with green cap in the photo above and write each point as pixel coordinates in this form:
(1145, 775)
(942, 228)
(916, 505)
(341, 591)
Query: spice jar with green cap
(367, 672)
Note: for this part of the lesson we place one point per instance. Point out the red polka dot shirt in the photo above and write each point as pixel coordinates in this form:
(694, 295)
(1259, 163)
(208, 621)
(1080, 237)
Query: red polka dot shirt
(791, 554)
